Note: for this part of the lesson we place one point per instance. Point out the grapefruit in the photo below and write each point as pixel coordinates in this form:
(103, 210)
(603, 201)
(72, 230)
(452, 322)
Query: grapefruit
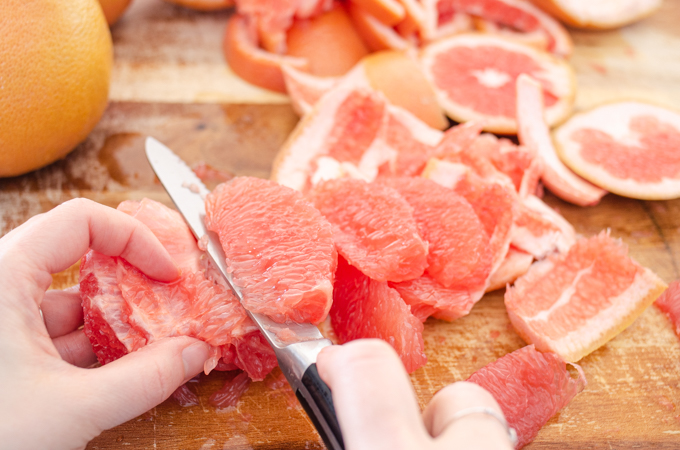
(533, 133)
(304, 89)
(373, 228)
(389, 12)
(328, 42)
(55, 82)
(278, 246)
(540, 230)
(456, 236)
(628, 148)
(530, 387)
(515, 264)
(572, 303)
(669, 304)
(442, 20)
(204, 5)
(376, 34)
(229, 395)
(474, 76)
(125, 310)
(427, 297)
(365, 308)
(598, 15)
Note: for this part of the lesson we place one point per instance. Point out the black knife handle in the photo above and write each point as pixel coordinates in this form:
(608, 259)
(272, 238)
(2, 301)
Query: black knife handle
(315, 397)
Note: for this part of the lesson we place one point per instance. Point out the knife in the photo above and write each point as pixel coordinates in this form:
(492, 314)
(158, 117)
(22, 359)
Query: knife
(303, 342)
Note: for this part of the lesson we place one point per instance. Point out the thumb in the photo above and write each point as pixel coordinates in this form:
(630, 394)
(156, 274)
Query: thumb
(137, 382)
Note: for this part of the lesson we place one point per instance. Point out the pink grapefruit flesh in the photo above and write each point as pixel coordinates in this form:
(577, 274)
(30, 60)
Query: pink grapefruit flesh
(573, 303)
(669, 304)
(628, 148)
(427, 297)
(373, 228)
(278, 246)
(530, 387)
(515, 264)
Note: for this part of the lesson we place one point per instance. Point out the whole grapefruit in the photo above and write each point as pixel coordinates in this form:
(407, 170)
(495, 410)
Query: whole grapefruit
(55, 65)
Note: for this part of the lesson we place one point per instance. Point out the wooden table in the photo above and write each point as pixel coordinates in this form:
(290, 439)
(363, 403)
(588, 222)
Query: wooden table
(170, 81)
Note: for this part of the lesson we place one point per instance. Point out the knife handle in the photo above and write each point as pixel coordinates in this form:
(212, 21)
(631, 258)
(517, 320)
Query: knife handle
(315, 397)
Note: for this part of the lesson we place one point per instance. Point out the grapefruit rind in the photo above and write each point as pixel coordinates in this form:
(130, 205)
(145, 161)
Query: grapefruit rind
(552, 70)
(534, 133)
(596, 330)
(599, 15)
(614, 119)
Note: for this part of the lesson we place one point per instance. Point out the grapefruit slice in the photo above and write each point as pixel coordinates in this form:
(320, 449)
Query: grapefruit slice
(365, 308)
(328, 42)
(251, 63)
(389, 12)
(376, 34)
(125, 310)
(598, 15)
(474, 76)
(278, 246)
(628, 148)
(572, 303)
(304, 89)
(427, 297)
(540, 230)
(530, 387)
(515, 264)
(456, 236)
(669, 304)
(533, 133)
(373, 228)
(442, 20)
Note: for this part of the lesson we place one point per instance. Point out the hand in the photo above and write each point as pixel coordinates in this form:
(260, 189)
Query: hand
(377, 407)
(46, 401)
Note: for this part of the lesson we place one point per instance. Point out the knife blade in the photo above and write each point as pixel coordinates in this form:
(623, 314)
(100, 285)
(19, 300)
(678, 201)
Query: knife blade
(296, 354)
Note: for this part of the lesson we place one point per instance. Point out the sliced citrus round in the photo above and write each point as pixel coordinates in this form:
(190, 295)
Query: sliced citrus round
(278, 246)
(598, 15)
(250, 62)
(373, 228)
(328, 42)
(669, 304)
(573, 303)
(447, 221)
(475, 76)
(530, 387)
(628, 148)
(365, 308)
(533, 133)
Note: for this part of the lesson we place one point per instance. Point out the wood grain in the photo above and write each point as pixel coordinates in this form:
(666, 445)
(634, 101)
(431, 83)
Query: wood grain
(170, 82)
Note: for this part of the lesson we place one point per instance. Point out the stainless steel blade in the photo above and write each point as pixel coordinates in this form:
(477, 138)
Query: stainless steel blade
(188, 193)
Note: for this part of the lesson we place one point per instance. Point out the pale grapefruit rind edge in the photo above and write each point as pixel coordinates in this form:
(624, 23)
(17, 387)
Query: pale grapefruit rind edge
(556, 71)
(609, 119)
(646, 287)
(569, 18)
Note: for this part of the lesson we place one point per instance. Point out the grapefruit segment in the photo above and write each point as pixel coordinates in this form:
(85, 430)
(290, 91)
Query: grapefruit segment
(572, 303)
(669, 304)
(373, 228)
(533, 133)
(376, 34)
(125, 310)
(628, 148)
(598, 15)
(251, 63)
(456, 236)
(474, 76)
(530, 387)
(278, 246)
(540, 230)
(515, 264)
(365, 308)
(427, 297)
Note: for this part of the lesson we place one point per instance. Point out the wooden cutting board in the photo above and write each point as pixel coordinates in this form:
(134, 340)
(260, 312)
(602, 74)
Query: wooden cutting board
(170, 82)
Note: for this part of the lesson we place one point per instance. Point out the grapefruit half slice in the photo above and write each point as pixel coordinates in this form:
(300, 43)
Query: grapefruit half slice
(530, 387)
(474, 76)
(598, 15)
(628, 148)
(533, 133)
(573, 303)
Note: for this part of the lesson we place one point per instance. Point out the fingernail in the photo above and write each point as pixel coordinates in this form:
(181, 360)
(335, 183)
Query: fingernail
(194, 356)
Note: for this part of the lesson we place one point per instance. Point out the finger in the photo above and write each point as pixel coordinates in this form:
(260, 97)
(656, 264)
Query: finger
(75, 348)
(480, 431)
(141, 380)
(51, 242)
(62, 312)
(373, 396)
